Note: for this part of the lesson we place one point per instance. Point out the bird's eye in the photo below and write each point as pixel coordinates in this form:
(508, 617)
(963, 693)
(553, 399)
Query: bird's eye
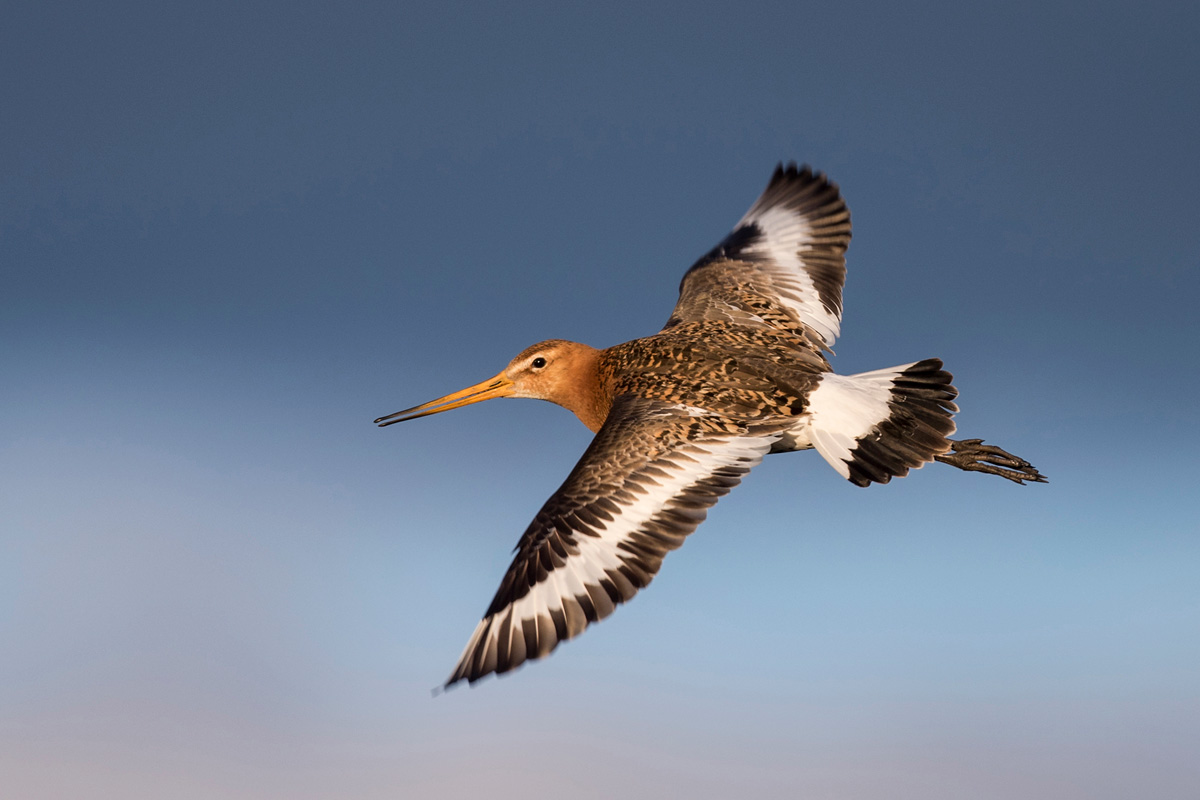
(538, 363)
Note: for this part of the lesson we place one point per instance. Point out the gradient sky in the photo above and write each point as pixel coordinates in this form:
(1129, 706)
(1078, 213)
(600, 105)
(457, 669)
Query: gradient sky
(232, 234)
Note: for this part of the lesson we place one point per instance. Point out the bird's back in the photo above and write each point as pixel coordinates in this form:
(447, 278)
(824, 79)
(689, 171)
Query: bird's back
(739, 372)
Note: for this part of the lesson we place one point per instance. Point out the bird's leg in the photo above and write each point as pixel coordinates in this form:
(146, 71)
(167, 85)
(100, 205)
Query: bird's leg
(975, 456)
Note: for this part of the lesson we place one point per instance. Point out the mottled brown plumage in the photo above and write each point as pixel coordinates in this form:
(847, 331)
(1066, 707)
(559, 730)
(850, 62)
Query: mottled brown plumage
(739, 371)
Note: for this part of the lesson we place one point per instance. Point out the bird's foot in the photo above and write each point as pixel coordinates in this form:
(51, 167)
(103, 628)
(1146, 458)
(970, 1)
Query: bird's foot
(975, 456)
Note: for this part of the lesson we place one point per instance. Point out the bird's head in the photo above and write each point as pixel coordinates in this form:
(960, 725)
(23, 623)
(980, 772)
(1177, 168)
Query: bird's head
(556, 370)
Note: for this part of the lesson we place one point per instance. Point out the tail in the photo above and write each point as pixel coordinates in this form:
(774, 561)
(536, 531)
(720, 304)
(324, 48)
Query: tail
(878, 425)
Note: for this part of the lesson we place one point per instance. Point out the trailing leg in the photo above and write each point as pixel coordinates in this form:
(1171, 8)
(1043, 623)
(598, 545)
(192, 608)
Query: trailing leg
(973, 455)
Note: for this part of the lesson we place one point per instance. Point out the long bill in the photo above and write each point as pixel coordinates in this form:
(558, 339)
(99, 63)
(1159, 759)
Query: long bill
(498, 386)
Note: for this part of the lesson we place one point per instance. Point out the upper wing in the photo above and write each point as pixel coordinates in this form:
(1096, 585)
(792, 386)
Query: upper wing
(644, 484)
(783, 266)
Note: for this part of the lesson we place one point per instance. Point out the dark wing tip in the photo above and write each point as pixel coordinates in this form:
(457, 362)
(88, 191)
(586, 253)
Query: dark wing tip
(790, 181)
(790, 171)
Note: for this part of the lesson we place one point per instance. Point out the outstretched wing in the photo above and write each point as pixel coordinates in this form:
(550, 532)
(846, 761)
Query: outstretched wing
(643, 485)
(782, 267)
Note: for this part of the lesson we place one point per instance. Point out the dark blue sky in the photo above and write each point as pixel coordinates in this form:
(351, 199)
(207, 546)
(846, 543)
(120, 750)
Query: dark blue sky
(231, 235)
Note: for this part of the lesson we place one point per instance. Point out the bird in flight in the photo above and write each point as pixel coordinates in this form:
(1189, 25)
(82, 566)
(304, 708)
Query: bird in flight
(739, 371)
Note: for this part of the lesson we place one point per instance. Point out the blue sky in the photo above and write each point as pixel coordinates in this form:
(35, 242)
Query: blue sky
(231, 236)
